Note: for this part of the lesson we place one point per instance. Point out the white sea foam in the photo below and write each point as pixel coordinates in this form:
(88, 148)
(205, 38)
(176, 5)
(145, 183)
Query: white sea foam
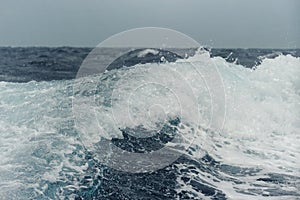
(147, 51)
(261, 128)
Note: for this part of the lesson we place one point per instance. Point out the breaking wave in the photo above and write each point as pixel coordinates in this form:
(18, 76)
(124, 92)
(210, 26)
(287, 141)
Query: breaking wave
(245, 142)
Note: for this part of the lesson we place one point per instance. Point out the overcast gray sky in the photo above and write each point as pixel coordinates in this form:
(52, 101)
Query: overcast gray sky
(215, 23)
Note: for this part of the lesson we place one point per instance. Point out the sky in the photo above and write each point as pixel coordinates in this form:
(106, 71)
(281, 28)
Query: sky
(213, 23)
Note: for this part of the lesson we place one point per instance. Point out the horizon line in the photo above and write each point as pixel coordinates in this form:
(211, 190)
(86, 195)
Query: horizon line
(90, 47)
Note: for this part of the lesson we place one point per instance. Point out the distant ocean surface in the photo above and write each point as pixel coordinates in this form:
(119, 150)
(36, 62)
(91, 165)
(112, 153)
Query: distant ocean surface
(45, 64)
(256, 156)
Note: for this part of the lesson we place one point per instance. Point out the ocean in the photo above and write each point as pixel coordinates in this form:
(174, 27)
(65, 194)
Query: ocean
(234, 130)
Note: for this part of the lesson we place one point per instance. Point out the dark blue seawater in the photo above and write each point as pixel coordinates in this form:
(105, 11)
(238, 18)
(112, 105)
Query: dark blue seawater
(42, 157)
(21, 64)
